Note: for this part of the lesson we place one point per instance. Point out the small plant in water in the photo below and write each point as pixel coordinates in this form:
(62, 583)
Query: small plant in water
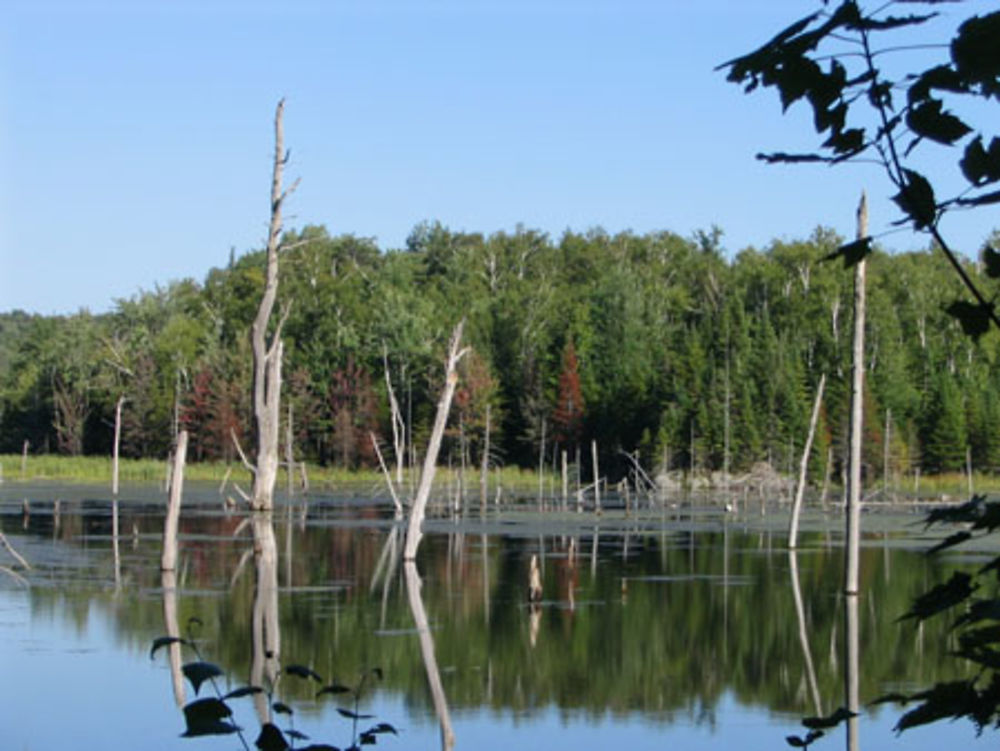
(213, 716)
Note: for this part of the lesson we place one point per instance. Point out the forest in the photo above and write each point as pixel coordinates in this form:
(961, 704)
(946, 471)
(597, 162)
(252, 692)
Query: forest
(666, 347)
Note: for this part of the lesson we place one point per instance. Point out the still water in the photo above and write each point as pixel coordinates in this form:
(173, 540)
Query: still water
(674, 627)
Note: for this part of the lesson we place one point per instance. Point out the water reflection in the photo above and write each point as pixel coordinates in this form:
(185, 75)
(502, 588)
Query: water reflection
(644, 624)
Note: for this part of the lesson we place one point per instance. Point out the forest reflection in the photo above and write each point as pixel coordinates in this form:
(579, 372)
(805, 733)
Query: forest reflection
(664, 622)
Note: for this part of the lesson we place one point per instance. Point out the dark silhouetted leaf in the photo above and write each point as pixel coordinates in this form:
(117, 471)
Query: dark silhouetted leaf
(849, 141)
(320, 747)
(852, 253)
(199, 672)
(980, 610)
(981, 165)
(942, 597)
(271, 738)
(989, 520)
(302, 671)
(383, 727)
(976, 54)
(949, 542)
(941, 701)
(974, 318)
(890, 22)
(367, 739)
(895, 698)
(164, 641)
(916, 199)
(970, 511)
(281, 708)
(238, 693)
(830, 721)
(931, 121)
(780, 157)
(334, 688)
(377, 672)
(991, 261)
(353, 715)
(205, 717)
(293, 733)
(795, 741)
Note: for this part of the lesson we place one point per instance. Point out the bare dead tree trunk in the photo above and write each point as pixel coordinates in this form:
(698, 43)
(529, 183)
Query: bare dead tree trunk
(800, 486)
(414, 533)
(413, 585)
(168, 559)
(398, 426)
(597, 477)
(266, 636)
(24, 459)
(289, 452)
(267, 354)
(853, 537)
(114, 448)
(484, 465)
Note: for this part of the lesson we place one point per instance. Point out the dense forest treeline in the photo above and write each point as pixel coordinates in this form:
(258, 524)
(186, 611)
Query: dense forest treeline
(652, 343)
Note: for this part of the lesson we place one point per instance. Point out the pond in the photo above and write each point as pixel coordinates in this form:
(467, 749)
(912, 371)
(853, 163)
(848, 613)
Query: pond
(676, 625)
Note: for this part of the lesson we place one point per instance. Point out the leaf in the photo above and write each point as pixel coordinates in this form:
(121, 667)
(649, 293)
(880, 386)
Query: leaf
(949, 542)
(939, 78)
(795, 741)
(164, 641)
(981, 165)
(942, 597)
(916, 199)
(848, 141)
(852, 253)
(991, 261)
(980, 610)
(931, 121)
(204, 717)
(297, 735)
(351, 715)
(976, 54)
(320, 747)
(974, 318)
(303, 672)
(199, 672)
(970, 511)
(941, 701)
(238, 693)
(830, 721)
(890, 22)
(271, 738)
(780, 157)
(334, 688)
(383, 727)
(281, 708)
(367, 739)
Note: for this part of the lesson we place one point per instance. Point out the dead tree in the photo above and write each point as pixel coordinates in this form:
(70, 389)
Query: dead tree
(267, 352)
(853, 533)
(414, 533)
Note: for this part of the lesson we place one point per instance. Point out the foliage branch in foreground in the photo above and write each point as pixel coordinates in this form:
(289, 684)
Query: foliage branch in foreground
(840, 62)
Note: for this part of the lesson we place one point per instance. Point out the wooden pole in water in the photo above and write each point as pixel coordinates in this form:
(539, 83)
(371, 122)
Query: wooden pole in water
(168, 560)
(800, 486)
(24, 459)
(853, 531)
(114, 448)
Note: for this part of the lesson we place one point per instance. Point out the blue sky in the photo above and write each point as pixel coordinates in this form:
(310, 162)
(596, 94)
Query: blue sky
(136, 136)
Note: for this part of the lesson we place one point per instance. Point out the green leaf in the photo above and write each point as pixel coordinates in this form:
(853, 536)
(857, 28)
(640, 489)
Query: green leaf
(931, 121)
(302, 671)
(164, 641)
(199, 672)
(852, 253)
(974, 318)
(916, 199)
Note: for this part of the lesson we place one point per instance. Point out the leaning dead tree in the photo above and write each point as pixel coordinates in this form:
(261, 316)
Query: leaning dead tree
(413, 532)
(267, 351)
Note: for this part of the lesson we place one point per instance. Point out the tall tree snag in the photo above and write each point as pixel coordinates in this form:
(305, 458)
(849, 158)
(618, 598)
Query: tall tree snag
(413, 532)
(267, 354)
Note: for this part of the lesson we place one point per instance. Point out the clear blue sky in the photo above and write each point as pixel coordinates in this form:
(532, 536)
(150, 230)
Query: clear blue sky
(136, 135)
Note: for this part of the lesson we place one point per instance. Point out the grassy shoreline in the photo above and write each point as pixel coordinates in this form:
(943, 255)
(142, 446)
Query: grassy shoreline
(96, 470)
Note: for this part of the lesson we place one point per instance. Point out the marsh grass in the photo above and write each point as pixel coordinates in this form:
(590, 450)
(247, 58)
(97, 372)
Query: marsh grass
(97, 470)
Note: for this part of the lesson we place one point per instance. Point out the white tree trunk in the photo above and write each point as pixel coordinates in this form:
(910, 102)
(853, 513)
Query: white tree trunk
(413, 532)
(800, 487)
(168, 559)
(267, 352)
(853, 536)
